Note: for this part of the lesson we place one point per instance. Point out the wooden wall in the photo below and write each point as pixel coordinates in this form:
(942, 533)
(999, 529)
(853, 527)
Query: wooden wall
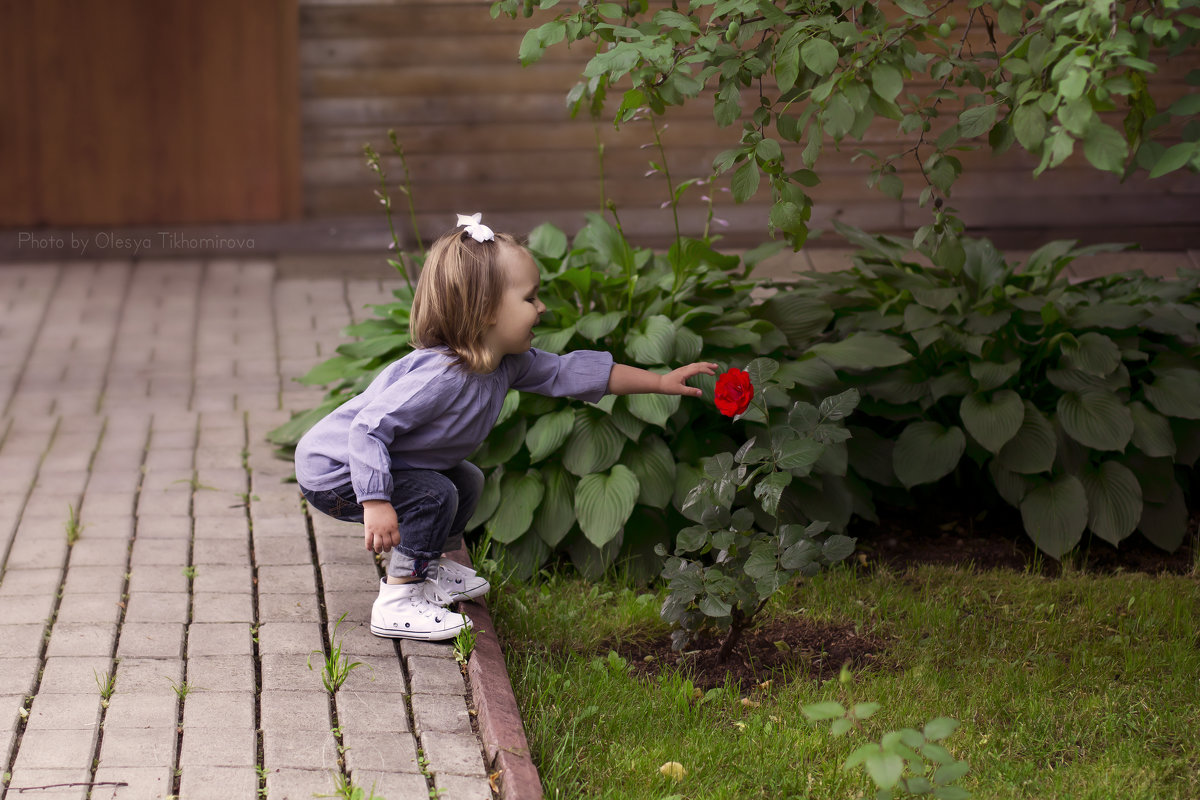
(127, 112)
(484, 134)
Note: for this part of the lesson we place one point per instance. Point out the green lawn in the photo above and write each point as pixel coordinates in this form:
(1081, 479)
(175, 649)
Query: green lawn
(1084, 686)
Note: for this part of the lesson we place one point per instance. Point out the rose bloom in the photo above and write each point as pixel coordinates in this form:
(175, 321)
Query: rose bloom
(734, 392)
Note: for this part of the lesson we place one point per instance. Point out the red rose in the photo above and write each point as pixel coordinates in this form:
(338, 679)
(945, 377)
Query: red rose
(734, 392)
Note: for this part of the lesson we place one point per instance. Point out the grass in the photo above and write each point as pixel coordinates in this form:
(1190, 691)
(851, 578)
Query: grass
(1084, 686)
(338, 666)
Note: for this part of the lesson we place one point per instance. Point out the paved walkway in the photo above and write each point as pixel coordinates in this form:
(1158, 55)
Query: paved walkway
(161, 587)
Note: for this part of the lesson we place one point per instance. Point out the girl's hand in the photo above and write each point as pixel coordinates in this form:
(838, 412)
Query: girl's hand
(380, 527)
(675, 381)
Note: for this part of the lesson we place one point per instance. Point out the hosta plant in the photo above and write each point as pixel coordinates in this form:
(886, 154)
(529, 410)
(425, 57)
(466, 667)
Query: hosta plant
(1078, 403)
(747, 542)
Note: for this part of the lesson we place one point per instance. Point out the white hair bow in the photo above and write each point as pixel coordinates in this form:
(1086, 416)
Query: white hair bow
(476, 229)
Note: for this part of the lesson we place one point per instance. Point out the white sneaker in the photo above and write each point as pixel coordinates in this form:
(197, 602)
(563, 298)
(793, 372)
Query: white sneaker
(414, 611)
(457, 581)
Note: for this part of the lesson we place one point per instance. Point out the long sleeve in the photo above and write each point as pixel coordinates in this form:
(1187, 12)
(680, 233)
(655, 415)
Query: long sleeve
(582, 374)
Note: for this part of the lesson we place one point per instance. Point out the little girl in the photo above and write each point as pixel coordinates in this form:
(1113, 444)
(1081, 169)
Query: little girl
(393, 458)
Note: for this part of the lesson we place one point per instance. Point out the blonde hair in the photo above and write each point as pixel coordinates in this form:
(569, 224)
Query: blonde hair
(458, 295)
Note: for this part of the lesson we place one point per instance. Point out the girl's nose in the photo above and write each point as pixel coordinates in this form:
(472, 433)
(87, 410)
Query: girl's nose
(541, 308)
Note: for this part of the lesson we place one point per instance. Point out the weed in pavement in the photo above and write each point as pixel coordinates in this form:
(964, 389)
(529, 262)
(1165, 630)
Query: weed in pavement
(338, 666)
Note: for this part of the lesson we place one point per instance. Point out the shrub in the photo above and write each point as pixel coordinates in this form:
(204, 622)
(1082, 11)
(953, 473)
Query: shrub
(744, 546)
(1078, 404)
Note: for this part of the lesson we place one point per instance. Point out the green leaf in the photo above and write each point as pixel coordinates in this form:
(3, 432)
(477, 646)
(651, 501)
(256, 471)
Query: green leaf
(745, 182)
(1097, 419)
(800, 318)
(761, 370)
(1034, 446)
(548, 240)
(885, 769)
(1114, 499)
(800, 454)
(519, 498)
(713, 606)
(949, 773)
(1152, 432)
(595, 325)
(1176, 395)
(787, 216)
(604, 502)
(1093, 353)
(819, 55)
(886, 81)
(655, 409)
(1105, 148)
(952, 792)
(654, 465)
(863, 350)
(594, 445)
(926, 452)
(548, 433)
(1174, 158)
(652, 342)
(688, 345)
(1166, 523)
(864, 710)
(556, 515)
(837, 548)
(822, 711)
(1029, 125)
(993, 422)
(976, 121)
(1055, 515)
(489, 500)
(939, 728)
(990, 375)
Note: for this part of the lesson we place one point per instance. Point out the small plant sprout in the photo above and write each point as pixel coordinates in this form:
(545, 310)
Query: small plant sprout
(182, 689)
(338, 666)
(344, 787)
(74, 528)
(189, 572)
(107, 684)
(464, 645)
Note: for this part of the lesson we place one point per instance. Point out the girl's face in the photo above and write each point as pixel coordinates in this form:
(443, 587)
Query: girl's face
(511, 331)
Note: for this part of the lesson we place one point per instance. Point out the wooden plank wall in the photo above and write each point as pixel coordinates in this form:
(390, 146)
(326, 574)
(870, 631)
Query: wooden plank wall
(484, 134)
(125, 112)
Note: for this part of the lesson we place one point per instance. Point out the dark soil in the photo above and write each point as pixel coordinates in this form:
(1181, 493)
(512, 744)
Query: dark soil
(904, 538)
(780, 649)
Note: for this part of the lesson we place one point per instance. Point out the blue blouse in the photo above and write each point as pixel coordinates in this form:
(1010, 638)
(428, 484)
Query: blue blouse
(423, 412)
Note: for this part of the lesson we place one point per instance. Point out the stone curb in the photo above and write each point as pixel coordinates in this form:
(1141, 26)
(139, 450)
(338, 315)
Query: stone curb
(500, 727)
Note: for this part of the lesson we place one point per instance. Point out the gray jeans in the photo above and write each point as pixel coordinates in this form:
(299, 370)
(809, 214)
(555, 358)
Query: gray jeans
(432, 509)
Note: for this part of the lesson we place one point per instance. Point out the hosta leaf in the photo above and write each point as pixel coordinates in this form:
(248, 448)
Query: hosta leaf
(688, 345)
(604, 502)
(594, 444)
(950, 384)
(1009, 485)
(1096, 419)
(810, 372)
(990, 375)
(926, 452)
(1033, 449)
(1106, 315)
(1114, 500)
(871, 456)
(1175, 395)
(1076, 380)
(1055, 515)
(548, 240)
(489, 499)
(595, 325)
(654, 465)
(1165, 524)
(652, 342)
(865, 350)
(1091, 352)
(1152, 432)
(556, 515)
(554, 341)
(937, 299)
(519, 498)
(800, 318)
(655, 409)
(548, 433)
(993, 422)
(501, 445)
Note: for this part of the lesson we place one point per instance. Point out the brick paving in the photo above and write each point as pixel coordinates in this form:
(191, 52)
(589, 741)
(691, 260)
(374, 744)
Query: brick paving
(161, 586)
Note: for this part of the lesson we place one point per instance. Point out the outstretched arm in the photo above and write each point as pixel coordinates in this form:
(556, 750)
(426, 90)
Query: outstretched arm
(631, 380)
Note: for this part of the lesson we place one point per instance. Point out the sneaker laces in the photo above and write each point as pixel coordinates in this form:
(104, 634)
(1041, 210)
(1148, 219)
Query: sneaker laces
(432, 599)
